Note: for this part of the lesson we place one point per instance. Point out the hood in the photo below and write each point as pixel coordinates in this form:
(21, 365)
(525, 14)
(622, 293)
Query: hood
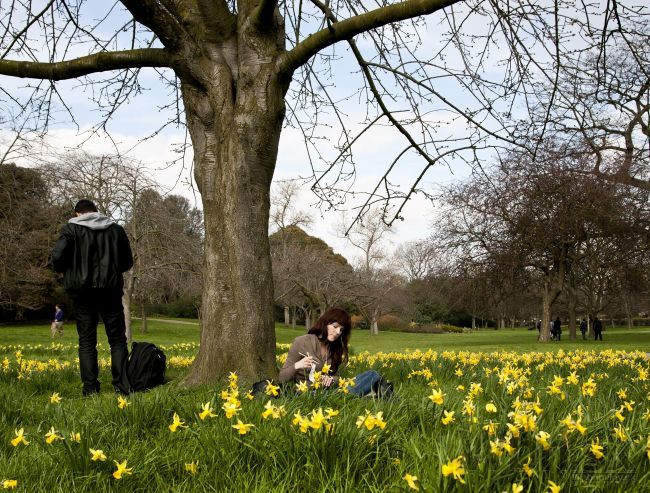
(92, 220)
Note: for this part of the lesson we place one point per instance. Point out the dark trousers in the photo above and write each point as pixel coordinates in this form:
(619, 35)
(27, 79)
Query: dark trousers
(598, 334)
(89, 305)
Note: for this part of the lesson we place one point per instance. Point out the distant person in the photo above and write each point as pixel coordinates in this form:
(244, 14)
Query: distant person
(557, 328)
(92, 252)
(598, 329)
(583, 328)
(551, 328)
(57, 322)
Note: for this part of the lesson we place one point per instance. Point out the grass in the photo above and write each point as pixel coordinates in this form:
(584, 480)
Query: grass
(276, 456)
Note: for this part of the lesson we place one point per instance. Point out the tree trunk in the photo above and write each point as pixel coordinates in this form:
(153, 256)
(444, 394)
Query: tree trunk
(374, 324)
(571, 306)
(143, 319)
(127, 296)
(287, 318)
(234, 113)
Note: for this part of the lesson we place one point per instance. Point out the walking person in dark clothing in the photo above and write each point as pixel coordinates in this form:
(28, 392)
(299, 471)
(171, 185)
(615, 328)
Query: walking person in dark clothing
(557, 328)
(92, 252)
(583, 328)
(598, 329)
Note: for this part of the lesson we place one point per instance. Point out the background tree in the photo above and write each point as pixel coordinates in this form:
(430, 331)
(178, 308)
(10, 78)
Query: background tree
(535, 214)
(233, 63)
(29, 225)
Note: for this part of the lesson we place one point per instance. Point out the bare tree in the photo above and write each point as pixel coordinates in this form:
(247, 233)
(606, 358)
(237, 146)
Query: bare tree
(534, 214)
(233, 63)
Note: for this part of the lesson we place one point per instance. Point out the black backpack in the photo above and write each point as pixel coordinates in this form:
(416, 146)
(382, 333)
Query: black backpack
(146, 366)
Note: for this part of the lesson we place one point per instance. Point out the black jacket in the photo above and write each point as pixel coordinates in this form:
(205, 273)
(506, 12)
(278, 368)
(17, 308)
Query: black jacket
(92, 252)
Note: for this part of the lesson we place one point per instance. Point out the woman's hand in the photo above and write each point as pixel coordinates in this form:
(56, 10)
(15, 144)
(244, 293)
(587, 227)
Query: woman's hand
(305, 363)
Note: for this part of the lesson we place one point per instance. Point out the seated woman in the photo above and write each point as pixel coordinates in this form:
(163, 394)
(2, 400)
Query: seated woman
(327, 342)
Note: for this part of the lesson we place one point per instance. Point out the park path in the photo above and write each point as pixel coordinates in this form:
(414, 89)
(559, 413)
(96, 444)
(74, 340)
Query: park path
(168, 320)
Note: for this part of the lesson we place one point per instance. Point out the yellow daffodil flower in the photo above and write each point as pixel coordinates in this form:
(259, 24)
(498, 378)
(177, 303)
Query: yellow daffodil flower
(527, 469)
(9, 484)
(75, 437)
(542, 438)
(20, 438)
(207, 411)
(193, 467)
(517, 488)
(242, 428)
(272, 390)
(596, 449)
(437, 397)
(55, 398)
(490, 408)
(553, 488)
(448, 417)
(231, 409)
(121, 469)
(52, 436)
(302, 387)
(97, 455)
(454, 468)
(177, 423)
(410, 480)
(122, 402)
(619, 432)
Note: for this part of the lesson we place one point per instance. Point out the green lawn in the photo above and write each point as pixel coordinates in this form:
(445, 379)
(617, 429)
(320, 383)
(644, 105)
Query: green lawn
(488, 340)
(505, 407)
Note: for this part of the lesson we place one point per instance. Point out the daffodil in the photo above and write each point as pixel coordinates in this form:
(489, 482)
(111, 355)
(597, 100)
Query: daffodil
(437, 397)
(242, 428)
(527, 469)
(596, 449)
(326, 369)
(207, 411)
(192, 467)
(177, 423)
(122, 402)
(231, 409)
(75, 437)
(302, 387)
(55, 398)
(410, 480)
(553, 488)
(52, 436)
(121, 469)
(454, 468)
(272, 390)
(542, 438)
(97, 455)
(9, 484)
(516, 488)
(448, 417)
(619, 432)
(490, 408)
(20, 438)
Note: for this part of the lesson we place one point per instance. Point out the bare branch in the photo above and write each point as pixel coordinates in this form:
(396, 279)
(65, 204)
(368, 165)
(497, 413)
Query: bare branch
(99, 62)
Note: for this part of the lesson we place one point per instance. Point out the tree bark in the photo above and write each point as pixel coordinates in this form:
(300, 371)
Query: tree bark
(143, 318)
(234, 114)
(287, 318)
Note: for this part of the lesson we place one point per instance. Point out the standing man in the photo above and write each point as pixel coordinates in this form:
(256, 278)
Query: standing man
(598, 329)
(583, 328)
(57, 323)
(557, 328)
(92, 253)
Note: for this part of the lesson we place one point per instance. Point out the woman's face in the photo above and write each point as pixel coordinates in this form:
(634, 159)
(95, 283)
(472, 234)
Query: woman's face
(334, 331)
